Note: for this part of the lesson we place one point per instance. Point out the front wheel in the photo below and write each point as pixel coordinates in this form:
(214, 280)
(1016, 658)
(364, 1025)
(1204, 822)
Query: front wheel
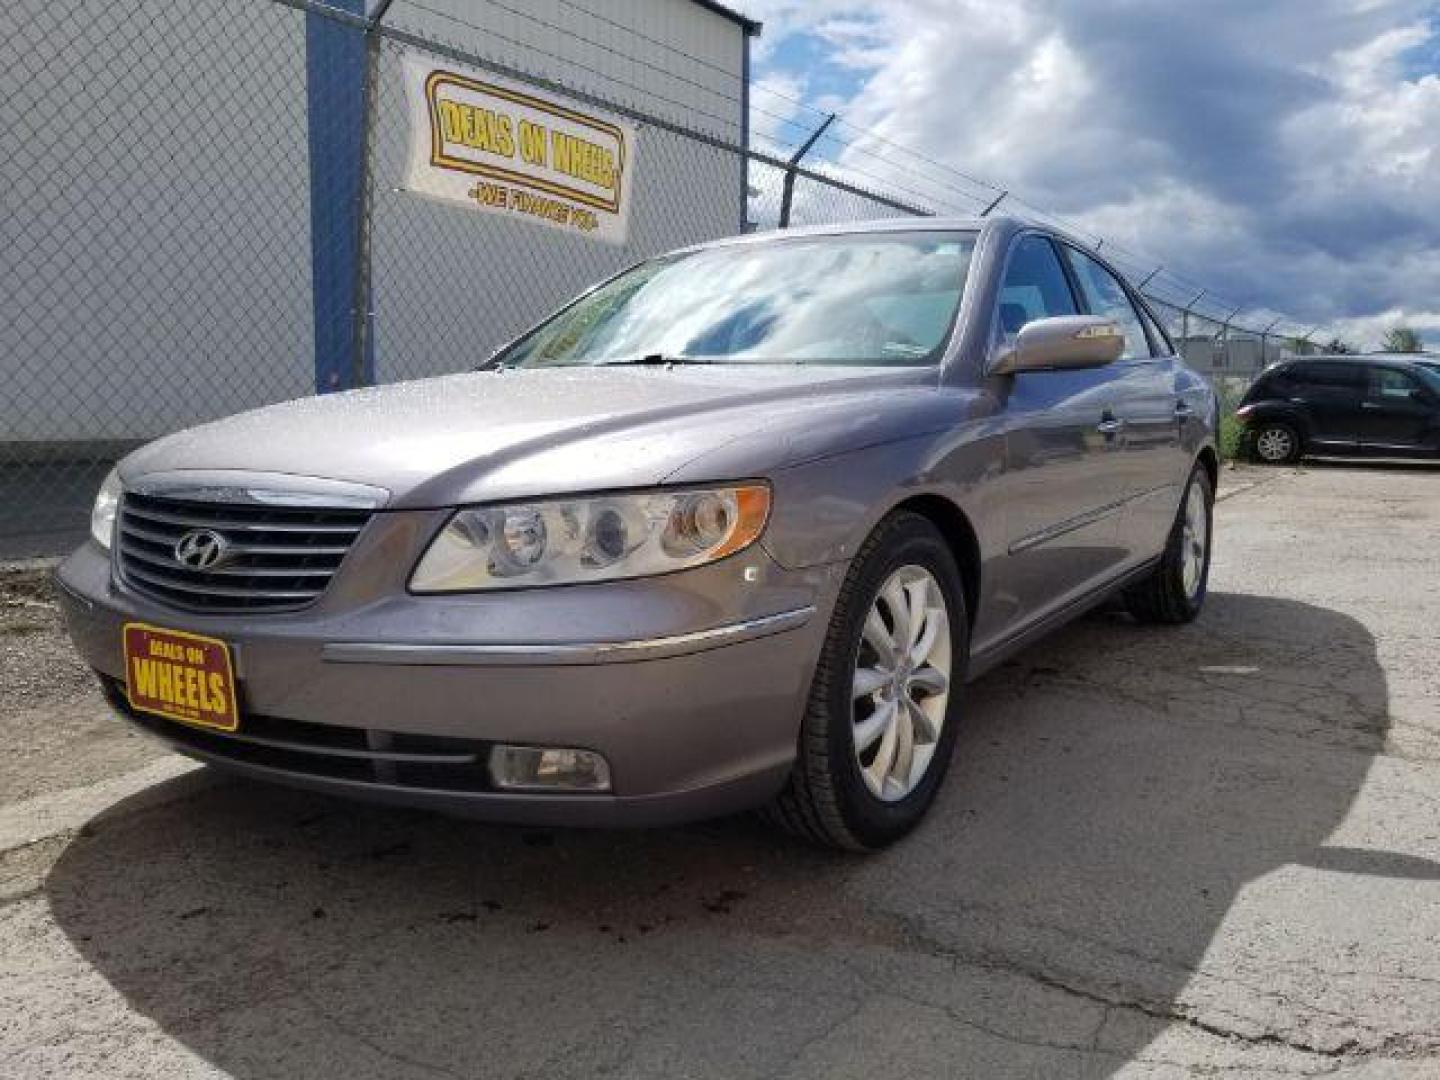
(1174, 592)
(883, 711)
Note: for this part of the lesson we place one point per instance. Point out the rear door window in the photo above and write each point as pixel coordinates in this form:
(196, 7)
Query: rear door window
(1387, 384)
(1035, 286)
(1106, 297)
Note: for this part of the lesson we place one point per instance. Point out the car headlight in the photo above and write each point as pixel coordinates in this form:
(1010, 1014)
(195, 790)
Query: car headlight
(602, 538)
(107, 503)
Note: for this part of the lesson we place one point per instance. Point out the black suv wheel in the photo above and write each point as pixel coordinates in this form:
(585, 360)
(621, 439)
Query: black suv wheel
(1274, 443)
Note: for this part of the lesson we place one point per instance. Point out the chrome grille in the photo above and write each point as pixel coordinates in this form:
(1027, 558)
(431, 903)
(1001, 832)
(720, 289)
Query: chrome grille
(278, 557)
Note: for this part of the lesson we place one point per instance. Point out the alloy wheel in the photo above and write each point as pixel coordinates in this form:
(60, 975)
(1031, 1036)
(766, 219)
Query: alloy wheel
(901, 683)
(1194, 541)
(1274, 444)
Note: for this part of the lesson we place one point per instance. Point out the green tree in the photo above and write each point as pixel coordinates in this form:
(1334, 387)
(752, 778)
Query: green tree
(1402, 340)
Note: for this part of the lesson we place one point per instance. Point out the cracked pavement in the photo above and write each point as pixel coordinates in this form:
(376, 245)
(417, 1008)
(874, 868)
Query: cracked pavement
(1160, 853)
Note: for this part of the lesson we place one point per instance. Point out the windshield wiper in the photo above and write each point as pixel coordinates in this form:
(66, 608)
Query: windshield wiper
(654, 360)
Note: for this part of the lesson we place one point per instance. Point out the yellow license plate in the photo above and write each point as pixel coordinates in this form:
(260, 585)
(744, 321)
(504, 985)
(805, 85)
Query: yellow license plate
(180, 676)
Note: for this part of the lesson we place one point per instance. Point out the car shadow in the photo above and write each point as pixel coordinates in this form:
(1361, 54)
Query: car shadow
(1113, 790)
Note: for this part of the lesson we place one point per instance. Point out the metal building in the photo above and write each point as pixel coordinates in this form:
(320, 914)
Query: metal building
(184, 223)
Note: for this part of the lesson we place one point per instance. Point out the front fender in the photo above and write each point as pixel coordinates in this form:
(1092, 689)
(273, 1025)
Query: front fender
(825, 508)
(838, 466)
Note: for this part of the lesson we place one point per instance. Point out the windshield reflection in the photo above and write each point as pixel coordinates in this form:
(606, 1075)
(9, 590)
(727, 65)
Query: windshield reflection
(877, 298)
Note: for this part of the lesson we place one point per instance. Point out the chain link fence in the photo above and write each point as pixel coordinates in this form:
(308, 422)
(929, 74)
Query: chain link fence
(120, 123)
(163, 221)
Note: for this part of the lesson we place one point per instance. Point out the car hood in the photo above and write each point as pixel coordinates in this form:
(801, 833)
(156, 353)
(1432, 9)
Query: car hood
(520, 433)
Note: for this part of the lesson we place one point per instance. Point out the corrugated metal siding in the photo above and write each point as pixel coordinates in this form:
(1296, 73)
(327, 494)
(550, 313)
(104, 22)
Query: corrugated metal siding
(671, 58)
(452, 283)
(155, 235)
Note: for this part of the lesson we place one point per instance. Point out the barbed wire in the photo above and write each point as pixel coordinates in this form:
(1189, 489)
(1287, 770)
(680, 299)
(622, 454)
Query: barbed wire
(610, 50)
(843, 151)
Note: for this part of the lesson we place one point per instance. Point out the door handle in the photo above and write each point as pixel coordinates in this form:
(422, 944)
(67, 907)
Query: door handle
(1110, 427)
(1184, 409)
(1369, 405)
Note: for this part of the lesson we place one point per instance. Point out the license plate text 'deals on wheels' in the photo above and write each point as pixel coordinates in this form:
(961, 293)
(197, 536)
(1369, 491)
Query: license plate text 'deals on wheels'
(180, 676)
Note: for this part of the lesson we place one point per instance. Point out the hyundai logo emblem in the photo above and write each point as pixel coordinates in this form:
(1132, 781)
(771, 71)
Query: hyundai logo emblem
(201, 549)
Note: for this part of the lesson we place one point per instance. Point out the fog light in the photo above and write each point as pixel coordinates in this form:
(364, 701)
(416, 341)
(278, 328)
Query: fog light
(538, 768)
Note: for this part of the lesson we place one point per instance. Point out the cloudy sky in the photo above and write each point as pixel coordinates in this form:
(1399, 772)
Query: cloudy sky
(1285, 153)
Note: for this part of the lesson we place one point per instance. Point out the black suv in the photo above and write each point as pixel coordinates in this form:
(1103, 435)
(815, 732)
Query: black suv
(1379, 406)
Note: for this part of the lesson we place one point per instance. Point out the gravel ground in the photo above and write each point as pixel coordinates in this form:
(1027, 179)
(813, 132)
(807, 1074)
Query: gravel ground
(57, 732)
(1205, 851)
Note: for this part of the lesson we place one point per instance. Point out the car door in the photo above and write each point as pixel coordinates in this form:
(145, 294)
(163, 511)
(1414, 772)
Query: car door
(1060, 491)
(1150, 466)
(1397, 412)
(1329, 396)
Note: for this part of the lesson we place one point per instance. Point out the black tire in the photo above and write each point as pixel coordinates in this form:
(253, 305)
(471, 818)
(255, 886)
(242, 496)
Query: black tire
(1161, 596)
(826, 800)
(1277, 434)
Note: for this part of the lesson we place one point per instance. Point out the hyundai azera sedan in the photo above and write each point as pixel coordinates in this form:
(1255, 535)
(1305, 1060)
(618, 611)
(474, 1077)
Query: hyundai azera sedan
(731, 530)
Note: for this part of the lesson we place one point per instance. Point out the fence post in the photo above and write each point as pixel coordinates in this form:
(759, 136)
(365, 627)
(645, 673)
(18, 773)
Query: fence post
(1225, 337)
(1186, 322)
(994, 203)
(789, 192)
(1264, 349)
(361, 314)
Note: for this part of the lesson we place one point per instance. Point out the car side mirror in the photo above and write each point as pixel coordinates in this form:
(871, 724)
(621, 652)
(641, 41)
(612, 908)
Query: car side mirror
(1067, 341)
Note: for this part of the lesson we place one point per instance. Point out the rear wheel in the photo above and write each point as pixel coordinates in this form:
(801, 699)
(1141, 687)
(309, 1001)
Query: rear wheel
(881, 721)
(1275, 444)
(1174, 592)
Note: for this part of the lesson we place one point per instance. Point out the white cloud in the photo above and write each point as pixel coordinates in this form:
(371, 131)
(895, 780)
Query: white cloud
(1285, 153)
(1370, 329)
(776, 111)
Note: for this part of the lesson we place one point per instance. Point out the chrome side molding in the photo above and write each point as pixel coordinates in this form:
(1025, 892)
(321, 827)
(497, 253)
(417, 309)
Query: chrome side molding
(574, 653)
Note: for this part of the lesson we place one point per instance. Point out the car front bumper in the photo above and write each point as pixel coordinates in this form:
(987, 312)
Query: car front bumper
(691, 686)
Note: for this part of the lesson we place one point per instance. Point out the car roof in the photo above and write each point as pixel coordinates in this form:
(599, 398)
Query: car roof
(1000, 226)
(1358, 358)
(850, 228)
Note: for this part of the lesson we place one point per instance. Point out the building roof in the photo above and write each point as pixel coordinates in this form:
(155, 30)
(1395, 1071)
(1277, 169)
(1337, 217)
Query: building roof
(750, 26)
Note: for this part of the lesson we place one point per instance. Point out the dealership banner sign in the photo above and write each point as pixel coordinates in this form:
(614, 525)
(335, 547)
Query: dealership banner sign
(503, 148)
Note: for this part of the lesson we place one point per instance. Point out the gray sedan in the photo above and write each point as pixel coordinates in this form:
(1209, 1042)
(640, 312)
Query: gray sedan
(731, 530)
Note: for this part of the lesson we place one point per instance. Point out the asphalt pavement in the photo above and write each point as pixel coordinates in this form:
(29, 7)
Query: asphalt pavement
(1212, 850)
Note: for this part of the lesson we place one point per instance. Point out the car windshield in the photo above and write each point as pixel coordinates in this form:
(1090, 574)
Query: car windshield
(875, 298)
